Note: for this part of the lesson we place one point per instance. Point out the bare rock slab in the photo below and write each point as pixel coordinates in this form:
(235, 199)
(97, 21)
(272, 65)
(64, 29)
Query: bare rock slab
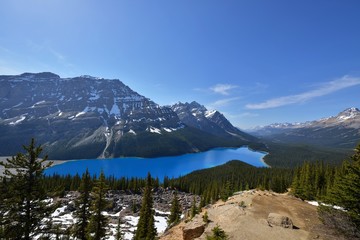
(193, 229)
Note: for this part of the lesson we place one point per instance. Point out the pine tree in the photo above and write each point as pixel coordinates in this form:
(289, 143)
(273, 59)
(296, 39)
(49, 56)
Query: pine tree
(346, 189)
(24, 201)
(3, 191)
(226, 191)
(82, 204)
(175, 212)
(96, 228)
(194, 209)
(218, 234)
(119, 235)
(205, 217)
(146, 225)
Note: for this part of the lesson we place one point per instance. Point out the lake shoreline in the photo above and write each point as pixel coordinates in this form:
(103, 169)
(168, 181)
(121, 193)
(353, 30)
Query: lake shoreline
(170, 166)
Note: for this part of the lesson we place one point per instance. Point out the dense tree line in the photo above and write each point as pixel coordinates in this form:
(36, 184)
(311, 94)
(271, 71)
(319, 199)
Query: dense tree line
(333, 186)
(25, 193)
(222, 181)
(293, 155)
(313, 180)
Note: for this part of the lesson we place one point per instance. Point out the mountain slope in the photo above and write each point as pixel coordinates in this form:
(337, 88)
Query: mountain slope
(341, 131)
(87, 117)
(197, 116)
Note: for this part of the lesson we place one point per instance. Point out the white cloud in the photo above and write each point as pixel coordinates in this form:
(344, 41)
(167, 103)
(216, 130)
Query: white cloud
(248, 114)
(324, 89)
(222, 102)
(222, 89)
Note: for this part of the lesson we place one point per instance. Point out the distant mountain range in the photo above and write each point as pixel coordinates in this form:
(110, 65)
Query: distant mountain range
(340, 131)
(87, 117)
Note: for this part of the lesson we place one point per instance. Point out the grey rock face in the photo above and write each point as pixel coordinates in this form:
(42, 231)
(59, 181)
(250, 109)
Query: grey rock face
(87, 117)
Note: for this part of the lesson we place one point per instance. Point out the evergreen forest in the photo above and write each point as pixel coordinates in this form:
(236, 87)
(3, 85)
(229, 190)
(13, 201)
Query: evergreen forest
(25, 192)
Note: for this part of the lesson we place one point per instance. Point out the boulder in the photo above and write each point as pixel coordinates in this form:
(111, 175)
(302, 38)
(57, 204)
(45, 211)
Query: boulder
(275, 219)
(193, 229)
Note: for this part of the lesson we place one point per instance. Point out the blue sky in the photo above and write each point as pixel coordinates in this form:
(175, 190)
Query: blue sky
(258, 62)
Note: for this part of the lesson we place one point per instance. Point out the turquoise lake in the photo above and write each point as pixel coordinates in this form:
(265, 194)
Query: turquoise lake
(171, 166)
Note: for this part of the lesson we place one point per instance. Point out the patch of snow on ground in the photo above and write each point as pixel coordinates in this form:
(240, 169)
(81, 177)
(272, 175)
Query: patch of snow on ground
(115, 109)
(58, 211)
(209, 114)
(314, 203)
(133, 221)
(168, 129)
(38, 103)
(154, 130)
(22, 118)
(17, 105)
(160, 224)
(94, 96)
(161, 212)
(79, 114)
(132, 132)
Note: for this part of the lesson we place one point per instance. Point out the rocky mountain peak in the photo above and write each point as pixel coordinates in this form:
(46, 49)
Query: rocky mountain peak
(40, 75)
(349, 113)
(91, 117)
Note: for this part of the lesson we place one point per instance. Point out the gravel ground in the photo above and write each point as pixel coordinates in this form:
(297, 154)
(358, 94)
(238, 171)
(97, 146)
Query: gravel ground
(3, 159)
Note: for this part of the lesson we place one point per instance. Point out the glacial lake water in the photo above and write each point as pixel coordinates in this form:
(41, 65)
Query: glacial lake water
(171, 166)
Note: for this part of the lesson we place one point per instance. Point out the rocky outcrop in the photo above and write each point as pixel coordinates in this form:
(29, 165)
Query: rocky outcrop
(193, 229)
(275, 219)
(244, 216)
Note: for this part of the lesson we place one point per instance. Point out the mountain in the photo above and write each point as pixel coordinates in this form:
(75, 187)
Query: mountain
(197, 116)
(340, 131)
(88, 117)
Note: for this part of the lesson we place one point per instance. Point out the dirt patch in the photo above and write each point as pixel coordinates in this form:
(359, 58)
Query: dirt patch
(244, 216)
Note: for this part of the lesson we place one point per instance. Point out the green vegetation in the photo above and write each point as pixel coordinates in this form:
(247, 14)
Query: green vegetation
(24, 200)
(82, 204)
(146, 225)
(335, 186)
(313, 180)
(217, 234)
(294, 155)
(24, 194)
(194, 210)
(175, 212)
(221, 181)
(174, 143)
(205, 217)
(96, 228)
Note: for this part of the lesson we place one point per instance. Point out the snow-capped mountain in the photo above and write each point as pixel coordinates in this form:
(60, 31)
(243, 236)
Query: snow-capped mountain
(196, 115)
(341, 131)
(88, 117)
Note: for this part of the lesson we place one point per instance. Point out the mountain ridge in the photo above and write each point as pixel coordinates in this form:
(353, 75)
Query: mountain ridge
(91, 117)
(340, 131)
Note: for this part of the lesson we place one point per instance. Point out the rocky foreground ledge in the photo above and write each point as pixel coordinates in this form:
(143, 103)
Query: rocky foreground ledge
(256, 215)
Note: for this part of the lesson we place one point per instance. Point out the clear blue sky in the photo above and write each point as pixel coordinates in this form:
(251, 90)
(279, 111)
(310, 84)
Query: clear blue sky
(258, 62)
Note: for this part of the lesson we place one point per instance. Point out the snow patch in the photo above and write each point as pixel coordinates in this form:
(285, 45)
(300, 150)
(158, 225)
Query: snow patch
(314, 203)
(38, 103)
(209, 114)
(115, 109)
(79, 114)
(22, 118)
(153, 130)
(160, 224)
